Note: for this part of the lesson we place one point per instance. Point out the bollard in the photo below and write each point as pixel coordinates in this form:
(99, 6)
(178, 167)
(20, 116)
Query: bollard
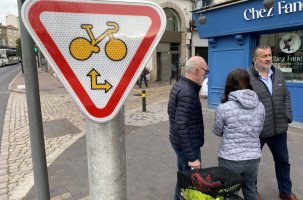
(143, 101)
(22, 70)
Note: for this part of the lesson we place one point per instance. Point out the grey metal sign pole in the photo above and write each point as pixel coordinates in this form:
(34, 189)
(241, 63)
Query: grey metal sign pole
(34, 113)
(106, 159)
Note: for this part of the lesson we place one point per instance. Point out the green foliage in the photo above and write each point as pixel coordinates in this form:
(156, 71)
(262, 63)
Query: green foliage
(18, 48)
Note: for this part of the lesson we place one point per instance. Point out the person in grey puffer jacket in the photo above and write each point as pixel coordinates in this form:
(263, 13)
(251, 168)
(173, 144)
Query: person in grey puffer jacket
(269, 84)
(239, 121)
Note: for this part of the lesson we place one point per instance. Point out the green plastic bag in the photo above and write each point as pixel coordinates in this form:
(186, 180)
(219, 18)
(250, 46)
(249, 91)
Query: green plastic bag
(190, 194)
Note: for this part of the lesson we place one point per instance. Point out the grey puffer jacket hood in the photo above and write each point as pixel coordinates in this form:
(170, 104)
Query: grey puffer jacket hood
(239, 122)
(247, 98)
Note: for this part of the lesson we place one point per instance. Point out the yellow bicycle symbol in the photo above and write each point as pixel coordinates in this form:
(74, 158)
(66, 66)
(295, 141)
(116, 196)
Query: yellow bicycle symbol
(82, 49)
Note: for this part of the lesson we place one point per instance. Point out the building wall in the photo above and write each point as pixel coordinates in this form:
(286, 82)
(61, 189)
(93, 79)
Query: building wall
(187, 47)
(12, 36)
(219, 1)
(3, 36)
(8, 36)
(12, 32)
(12, 20)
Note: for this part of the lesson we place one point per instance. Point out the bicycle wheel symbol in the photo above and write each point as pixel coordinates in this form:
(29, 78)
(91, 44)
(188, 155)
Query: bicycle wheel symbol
(115, 49)
(82, 49)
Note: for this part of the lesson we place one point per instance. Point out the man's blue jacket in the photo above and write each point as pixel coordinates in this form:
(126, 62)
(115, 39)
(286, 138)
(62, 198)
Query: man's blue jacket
(185, 117)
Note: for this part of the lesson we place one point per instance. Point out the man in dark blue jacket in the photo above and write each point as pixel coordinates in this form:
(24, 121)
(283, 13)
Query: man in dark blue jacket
(185, 116)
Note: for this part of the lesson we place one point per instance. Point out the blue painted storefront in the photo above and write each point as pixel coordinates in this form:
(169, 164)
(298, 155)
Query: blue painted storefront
(233, 30)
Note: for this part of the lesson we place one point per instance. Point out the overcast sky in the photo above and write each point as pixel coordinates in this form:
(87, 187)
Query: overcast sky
(8, 7)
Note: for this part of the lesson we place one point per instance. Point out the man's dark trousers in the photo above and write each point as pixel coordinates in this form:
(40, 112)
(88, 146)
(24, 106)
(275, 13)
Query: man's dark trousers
(278, 147)
(182, 164)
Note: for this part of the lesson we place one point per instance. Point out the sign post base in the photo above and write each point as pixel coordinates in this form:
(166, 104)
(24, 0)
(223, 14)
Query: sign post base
(106, 159)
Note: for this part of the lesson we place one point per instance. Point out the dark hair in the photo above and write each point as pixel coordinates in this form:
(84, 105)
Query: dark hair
(238, 79)
(261, 46)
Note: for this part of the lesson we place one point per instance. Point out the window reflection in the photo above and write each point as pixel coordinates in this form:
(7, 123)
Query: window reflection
(287, 52)
(173, 21)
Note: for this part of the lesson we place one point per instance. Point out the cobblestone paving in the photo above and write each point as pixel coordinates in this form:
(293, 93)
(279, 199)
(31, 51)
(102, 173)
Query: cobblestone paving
(155, 113)
(16, 175)
(15, 151)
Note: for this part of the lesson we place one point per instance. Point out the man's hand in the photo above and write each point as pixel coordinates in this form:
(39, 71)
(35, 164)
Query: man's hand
(195, 165)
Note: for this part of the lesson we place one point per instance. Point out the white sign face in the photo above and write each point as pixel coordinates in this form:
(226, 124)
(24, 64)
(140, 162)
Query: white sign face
(97, 48)
(290, 43)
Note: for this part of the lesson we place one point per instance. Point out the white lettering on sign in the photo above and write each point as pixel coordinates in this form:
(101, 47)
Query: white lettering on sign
(289, 58)
(289, 7)
(294, 58)
(283, 8)
(252, 13)
(278, 59)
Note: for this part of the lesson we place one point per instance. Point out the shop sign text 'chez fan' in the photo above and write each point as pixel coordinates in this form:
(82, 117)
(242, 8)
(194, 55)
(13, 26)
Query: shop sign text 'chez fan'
(282, 8)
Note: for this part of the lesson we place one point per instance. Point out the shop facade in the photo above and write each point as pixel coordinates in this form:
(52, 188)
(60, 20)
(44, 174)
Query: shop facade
(233, 30)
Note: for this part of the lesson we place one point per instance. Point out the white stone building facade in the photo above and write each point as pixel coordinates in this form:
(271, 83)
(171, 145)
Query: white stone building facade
(179, 42)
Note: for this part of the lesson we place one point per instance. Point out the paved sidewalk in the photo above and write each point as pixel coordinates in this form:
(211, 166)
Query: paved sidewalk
(16, 177)
(63, 125)
(150, 160)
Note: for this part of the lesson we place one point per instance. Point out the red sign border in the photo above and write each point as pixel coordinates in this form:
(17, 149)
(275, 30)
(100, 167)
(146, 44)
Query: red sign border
(94, 8)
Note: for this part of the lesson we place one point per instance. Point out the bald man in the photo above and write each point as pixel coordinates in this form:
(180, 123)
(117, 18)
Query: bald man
(185, 117)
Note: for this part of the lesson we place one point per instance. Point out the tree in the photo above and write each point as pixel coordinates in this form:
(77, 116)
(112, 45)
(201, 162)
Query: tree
(18, 48)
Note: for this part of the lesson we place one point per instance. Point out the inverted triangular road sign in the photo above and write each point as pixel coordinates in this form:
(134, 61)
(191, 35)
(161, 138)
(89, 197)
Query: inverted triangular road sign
(97, 48)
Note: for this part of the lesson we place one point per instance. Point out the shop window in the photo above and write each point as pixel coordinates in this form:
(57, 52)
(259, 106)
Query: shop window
(174, 46)
(203, 3)
(287, 53)
(172, 20)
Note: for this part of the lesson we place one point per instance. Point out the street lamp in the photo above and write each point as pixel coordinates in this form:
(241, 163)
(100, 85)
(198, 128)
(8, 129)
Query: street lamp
(202, 19)
(268, 3)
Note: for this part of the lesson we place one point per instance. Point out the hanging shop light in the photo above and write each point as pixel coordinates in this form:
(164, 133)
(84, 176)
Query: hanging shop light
(268, 3)
(202, 19)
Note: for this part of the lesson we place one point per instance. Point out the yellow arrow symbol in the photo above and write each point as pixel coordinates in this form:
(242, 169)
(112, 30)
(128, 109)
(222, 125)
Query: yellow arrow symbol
(101, 86)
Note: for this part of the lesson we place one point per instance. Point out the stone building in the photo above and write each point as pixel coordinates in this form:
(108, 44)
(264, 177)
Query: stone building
(3, 36)
(179, 42)
(12, 20)
(9, 32)
(12, 35)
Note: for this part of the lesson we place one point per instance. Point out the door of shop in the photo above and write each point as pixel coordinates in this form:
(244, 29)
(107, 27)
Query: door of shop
(163, 63)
